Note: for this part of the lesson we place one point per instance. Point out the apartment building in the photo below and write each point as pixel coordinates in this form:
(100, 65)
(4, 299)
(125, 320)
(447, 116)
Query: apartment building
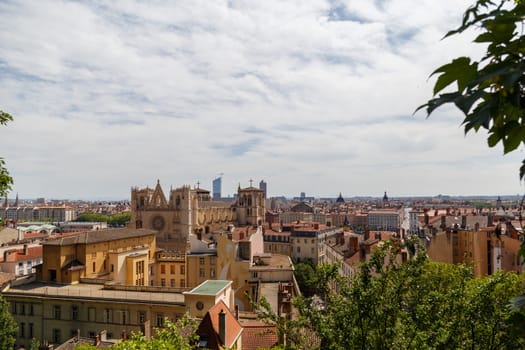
(488, 249)
(385, 219)
(122, 255)
(55, 213)
(308, 240)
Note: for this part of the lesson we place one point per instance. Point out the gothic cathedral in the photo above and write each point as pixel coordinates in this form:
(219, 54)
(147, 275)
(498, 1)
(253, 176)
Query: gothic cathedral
(190, 210)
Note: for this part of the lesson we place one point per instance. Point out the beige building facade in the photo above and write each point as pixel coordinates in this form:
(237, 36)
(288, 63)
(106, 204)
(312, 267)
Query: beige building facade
(192, 210)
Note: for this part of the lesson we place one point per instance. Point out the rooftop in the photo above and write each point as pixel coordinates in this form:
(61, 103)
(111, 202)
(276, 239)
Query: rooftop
(90, 291)
(210, 287)
(101, 236)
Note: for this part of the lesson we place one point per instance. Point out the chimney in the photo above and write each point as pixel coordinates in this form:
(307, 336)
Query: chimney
(236, 311)
(20, 235)
(26, 249)
(222, 327)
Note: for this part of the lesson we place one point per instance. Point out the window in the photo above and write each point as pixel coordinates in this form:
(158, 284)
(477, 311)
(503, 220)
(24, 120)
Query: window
(201, 261)
(13, 308)
(182, 269)
(182, 283)
(298, 249)
(112, 268)
(22, 330)
(172, 282)
(313, 241)
(94, 266)
(312, 250)
(160, 320)
(74, 312)
(172, 269)
(163, 282)
(56, 336)
(202, 273)
(108, 315)
(30, 331)
(56, 311)
(31, 310)
(123, 316)
(22, 309)
(141, 317)
(212, 260)
(162, 268)
(139, 267)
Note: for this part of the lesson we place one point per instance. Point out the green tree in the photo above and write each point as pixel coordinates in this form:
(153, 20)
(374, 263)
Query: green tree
(8, 326)
(119, 219)
(178, 335)
(417, 304)
(5, 180)
(489, 92)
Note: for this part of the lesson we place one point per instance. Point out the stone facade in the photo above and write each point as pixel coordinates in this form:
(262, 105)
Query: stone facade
(192, 210)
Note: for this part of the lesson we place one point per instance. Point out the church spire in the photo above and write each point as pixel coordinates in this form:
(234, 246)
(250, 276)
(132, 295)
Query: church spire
(16, 200)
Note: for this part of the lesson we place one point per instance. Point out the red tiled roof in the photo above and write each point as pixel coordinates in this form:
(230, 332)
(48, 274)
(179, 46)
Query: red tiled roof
(209, 326)
(258, 335)
(18, 254)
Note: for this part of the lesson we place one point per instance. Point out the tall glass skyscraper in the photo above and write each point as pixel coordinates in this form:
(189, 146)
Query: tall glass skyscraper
(216, 186)
(262, 187)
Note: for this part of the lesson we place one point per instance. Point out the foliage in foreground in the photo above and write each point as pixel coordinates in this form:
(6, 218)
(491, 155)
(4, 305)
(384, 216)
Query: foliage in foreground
(417, 305)
(5, 180)
(8, 326)
(178, 335)
(490, 92)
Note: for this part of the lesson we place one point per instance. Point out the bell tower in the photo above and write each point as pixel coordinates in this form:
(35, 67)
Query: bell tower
(250, 206)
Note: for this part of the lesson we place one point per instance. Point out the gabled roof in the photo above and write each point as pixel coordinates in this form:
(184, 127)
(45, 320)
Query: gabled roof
(209, 327)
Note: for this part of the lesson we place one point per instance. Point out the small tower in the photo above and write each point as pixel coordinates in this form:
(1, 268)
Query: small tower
(16, 200)
(250, 206)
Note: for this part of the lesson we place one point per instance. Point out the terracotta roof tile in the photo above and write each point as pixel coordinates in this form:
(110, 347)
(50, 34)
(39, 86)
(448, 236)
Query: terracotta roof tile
(209, 327)
(258, 335)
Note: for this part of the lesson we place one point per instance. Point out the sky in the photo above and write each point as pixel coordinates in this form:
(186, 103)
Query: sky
(312, 96)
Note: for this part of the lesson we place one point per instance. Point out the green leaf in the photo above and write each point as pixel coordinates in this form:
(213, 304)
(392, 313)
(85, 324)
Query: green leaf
(493, 139)
(459, 70)
(513, 139)
(466, 101)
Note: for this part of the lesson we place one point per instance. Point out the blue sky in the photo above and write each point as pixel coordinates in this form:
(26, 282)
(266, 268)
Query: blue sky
(309, 95)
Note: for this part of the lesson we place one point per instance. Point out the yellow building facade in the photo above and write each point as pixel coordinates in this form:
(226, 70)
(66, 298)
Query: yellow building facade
(122, 255)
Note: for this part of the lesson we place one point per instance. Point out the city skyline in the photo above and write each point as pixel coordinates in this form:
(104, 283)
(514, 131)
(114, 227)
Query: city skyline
(311, 96)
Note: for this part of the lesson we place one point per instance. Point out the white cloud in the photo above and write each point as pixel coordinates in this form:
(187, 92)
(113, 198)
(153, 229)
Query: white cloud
(312, 96)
